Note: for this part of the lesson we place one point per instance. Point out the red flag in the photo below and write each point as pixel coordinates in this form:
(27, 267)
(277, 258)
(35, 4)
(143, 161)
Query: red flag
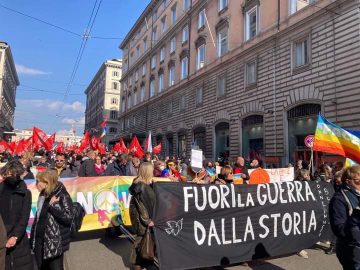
(103, 123)
(39, 138)
(84, 142)
(121, 147)
(28, 144)
(11, 147)
(3, 146)
(94, 143)
(60, 148)
(19, 148)
(101, 148)
(135, 148)
(49, 142)
(157, 149)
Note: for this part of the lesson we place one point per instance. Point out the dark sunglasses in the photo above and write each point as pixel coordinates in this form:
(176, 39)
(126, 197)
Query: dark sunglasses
(59, 160)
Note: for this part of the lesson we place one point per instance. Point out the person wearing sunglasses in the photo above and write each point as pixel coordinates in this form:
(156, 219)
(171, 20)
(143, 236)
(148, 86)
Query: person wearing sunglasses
(344, 213)
(61, 167)
(171, 172)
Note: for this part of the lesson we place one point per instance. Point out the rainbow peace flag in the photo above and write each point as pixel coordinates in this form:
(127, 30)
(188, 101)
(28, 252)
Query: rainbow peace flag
(333, 139)
(349, 162)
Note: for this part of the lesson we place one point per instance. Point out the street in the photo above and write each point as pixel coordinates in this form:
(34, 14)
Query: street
(96, 250)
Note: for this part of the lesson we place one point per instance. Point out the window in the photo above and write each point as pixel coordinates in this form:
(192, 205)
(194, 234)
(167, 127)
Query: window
(128, 122)
(113, 130)
(137, 52)
(296, 5)
(144, 69)
(130, 79)
(186, 5)
(250, 73)
(153, 61)
(200, 59)
(201, 19)
(170, 107)
(221, 84)
(155, 15)
(199, 96)
(223, 4)
(114, 101)
(113, 114)
(173, 14)
(135, 97)
(129, 101)
(182, 104)
(184, 67)
(251, 23)
(152, 88)
(142, 93)
(123, 105)
(301, 53)
(164, 4)
(115, 74)
(171, 75)
(153, 36)
(173, 45)
(115, 85)
(145, 44)
(163, 25)
(161, 82)
(134, 120)
(222, 41)
(162, 54)
(185, 33)
(136, 75)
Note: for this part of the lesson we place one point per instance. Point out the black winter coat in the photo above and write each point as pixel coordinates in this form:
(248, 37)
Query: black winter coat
(347, 229)
(15, 202)
(87, 168)
(50, 233)
(141, 216)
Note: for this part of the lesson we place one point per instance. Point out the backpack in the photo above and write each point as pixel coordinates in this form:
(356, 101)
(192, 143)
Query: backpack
(78, 216)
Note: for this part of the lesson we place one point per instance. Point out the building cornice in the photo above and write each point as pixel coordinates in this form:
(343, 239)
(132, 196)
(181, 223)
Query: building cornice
(9, 57)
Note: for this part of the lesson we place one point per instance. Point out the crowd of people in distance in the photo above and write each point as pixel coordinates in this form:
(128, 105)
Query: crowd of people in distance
(51, 235)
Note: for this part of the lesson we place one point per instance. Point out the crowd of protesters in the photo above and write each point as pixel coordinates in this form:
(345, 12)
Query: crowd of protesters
(50, 236)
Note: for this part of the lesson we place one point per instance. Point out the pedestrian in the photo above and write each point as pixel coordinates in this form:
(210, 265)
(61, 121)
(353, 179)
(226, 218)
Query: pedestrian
(50, 233)
(159, 167)
(303, 175)
(344, 213)
(87, 168)
(118, 167)
(171, 172)
(61, 167)
(141, 213)
(99, 167)
(240, 168)
(226, 175)
(15, 202)
(132, 167)
(3, 240)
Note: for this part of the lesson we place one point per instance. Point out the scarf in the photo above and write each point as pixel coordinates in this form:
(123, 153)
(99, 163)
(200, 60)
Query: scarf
(352, 197)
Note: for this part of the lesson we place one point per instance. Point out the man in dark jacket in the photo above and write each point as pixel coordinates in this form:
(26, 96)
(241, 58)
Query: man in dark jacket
(118, 167)
(61, 168)
(87, 168)
(3, 240)
(241, 169)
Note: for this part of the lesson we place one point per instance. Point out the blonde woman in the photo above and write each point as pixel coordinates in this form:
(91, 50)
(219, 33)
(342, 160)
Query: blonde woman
(50, 233)
(141, 210)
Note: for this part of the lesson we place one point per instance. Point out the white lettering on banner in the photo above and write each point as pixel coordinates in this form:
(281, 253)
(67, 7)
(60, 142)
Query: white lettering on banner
(289, 223)
(221, 196)
(126, 199)
(88, 203)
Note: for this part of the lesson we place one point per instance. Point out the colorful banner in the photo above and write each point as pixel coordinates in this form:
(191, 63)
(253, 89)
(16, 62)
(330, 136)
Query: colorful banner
(105, 199)
(333, 139)
(200, 226)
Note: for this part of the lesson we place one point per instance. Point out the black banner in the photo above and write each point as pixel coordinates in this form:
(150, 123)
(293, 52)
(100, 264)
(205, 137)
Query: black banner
(210, 225)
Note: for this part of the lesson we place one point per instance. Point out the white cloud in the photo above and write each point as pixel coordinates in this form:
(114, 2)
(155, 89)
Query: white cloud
(71, 121)
(29, 71)
(53, 105)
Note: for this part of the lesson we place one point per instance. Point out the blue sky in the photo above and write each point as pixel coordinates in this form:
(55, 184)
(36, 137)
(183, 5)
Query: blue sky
(45, 56)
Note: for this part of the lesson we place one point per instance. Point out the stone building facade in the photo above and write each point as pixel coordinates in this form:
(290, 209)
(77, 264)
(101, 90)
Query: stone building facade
(8, 84)
(103, 100)
(255, 76)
